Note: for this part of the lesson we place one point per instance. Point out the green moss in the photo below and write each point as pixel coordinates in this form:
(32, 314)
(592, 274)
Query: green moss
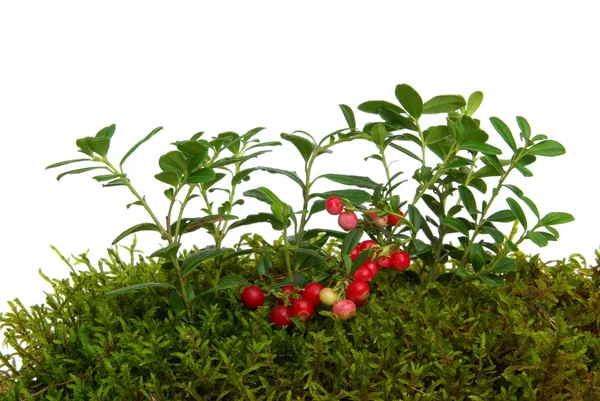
(534, 339)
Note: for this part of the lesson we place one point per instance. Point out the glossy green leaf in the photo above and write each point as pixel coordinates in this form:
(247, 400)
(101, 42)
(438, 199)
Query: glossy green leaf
(196, 259)
(107, 177)
(67, 162)
(474, 102)
(374, 106)
(524, 126)
(355, 196)
(352, 180)
(241, 160)
(226, 283)
(468, 199)
(351, 239)
(79, 171)
(168, 177)
(477, 256)
(265, 195)
(554, 218)
(436, 134)
(107, 132)
(479, 185)
(247, 251)
(504, 132)
(379, 134)
(258, 218)
(167, 252)
(263, 266)
(304, 146)
(443, 104)
(456, 225)
(137, 145)
(547, 148)
(406, 152)
(135, 229)
(410, 100)
(395, 120)
(518, 211)
(486, 171)
(505, 265)
(503, 216)
(349, 116)
(481, 147)
(290, 174)
(537, 238)
(493, 232)
(136, 287)
(201, 175)
(173, 161)
(415, 217)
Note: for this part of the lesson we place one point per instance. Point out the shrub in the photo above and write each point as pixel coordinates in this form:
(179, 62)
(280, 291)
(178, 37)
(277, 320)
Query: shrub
(535, 339)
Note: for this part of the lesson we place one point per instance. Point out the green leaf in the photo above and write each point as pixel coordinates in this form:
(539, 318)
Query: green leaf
(415, 217)
(456, 225)
(98, 145)
(547, 148)
(317, 206)
(194, 260)
(479, 185)
(405, 151)
(136, 287)
(290, 174)
(537, 238)
(477, 256)
(67, 162)
(518, 211)
(188, 224)
(225, 284)
(351, 239)
(378, 134)
(443, 104)
(524, 126)
(353, 180)
(494, 233)
(410, 100)
(504, 266)
(468, 199)
(481, 147)
(263, 266)
(265, 195)
(354, 196)
(137, 145)
(136, 203)
(107, 132)
(486, 171)
(304, 146)
(167, 252)
(504, 132)
(168, 177)
(503, 216)
(241, 160)
(491, 279)
(79, 171)
(554, 218)
(395, 120)
(135, 229)
(173, 161)
(201, 175)
(248, 251)
(474, 102)
(107, 177)
(258, 218)
(436, 134)
(349, 116)
(374, 106)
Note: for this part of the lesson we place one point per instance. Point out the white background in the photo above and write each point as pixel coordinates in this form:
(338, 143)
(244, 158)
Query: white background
(71, 68)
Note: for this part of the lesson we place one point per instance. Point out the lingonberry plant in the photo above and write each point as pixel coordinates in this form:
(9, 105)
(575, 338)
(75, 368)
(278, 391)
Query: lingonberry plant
(449, 226)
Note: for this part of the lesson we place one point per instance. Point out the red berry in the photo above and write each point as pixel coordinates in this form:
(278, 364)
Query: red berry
(303, 308)
(367, 244)
(400, 260)
(363, 273)
(252, 297)
(384, 262)
(334, 205)
(344, 308)
(372, 266)
(393, 220)
(311, 292)
(280, 316)
(328, 296)
(348, 221)
(378, 221)
(358, 292)
(290, 290)
(354, 253)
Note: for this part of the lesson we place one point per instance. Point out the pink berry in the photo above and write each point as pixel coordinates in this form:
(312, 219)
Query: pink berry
(348, 221)
(344, 308)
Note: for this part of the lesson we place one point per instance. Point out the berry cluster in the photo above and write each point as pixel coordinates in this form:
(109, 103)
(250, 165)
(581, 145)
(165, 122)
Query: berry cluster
(348, 220)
